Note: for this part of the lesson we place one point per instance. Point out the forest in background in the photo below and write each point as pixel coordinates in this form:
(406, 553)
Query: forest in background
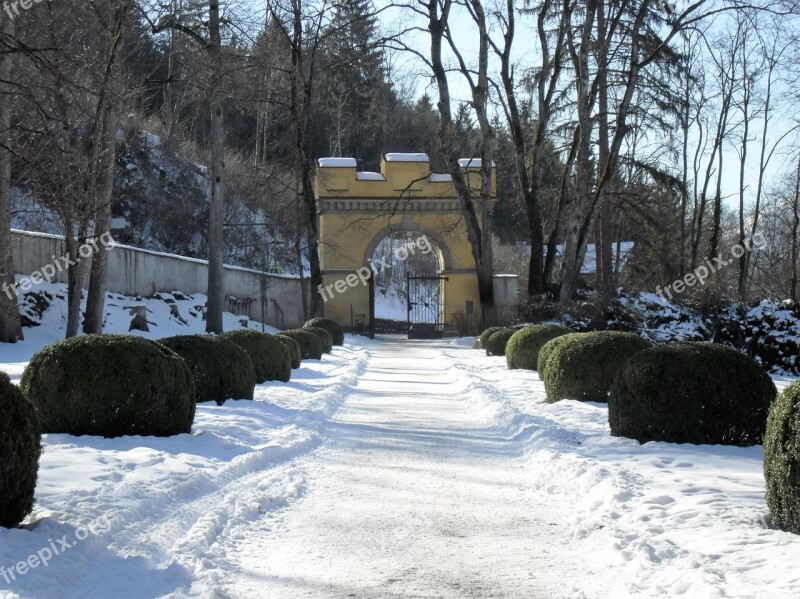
(194, 126)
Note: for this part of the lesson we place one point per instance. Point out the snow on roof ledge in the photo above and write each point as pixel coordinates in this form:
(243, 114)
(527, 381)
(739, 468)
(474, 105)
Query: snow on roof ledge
(472, 163)
(367, 176)
(440, 178)
(401, 157)
(332, 162)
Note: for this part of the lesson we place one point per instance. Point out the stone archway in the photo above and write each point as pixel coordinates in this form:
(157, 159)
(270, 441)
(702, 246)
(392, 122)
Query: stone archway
(359, 209)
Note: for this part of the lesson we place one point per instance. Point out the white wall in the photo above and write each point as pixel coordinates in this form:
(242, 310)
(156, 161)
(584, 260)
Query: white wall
(137, 272)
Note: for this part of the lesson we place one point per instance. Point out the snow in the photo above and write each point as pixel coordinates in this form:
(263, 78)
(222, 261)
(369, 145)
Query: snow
(368, 176)
(397, 468)
(472, 163)
(333, 162)
(405, 157)
(440, 178)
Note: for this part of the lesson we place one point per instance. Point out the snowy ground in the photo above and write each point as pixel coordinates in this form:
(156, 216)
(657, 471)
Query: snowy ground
(399, 469)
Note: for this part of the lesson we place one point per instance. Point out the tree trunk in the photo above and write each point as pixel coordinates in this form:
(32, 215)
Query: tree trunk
(795, 227)
(603, 238)
(216, 238)
(104, 164)
(571, 267)
(10, 327)
(481, 253)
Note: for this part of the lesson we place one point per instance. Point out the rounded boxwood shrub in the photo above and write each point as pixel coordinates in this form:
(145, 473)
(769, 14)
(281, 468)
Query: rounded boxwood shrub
(310, 344)
(271, 359)
(222, 370)
(293, 347)
(782, 459)
(691, 392)
(324, 337)
(583, 365)
(20, 448)
(524, 347)
(337, 334)
(496, 342)
(110, 385)
(483, 339)
(548, 349)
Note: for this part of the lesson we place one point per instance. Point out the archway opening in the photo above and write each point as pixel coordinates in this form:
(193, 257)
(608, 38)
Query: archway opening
(396, 257)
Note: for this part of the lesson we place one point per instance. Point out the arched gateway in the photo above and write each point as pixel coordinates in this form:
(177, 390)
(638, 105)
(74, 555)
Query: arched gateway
(357, 210)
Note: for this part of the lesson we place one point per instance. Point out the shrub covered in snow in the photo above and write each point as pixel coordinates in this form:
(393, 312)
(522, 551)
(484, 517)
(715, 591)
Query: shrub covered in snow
(222, 370)
(324, 337)
(20, 448)
(337, 334)
(496, 342)
(271, 360)
(110, 385)
(310, 344)
(483, 338)
(691, 392)
(583, 365)
(293, 347)
(782, 459)
(524, 346)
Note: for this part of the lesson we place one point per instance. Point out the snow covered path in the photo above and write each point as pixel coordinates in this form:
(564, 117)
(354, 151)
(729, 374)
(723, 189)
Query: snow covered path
(414, 495)
(396, 469)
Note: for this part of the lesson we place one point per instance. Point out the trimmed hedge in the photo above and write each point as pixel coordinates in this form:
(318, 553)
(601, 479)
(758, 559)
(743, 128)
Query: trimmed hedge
(548, 349)
(110, 385)
(310, 344)
(496, 342)
(583, 365)
(221, 369)
(782, 459)
(524, 347)
(483, 339)
(20, 448)
(324, 337)
(337, 334)
(271, 360)
(293, 347)
(691, 392)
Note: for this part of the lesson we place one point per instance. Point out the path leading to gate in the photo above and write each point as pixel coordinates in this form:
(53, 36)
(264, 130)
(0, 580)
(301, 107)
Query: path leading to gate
(413, 494)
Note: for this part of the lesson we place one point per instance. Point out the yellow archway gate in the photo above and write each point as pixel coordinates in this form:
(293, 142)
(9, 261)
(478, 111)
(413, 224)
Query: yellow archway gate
(359, 209)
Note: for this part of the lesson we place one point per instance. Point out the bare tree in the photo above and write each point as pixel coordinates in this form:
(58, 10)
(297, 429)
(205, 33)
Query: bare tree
(101, 166)
(10, 328)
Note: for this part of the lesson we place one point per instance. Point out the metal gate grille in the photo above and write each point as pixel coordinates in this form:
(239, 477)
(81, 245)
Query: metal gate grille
(425, 306)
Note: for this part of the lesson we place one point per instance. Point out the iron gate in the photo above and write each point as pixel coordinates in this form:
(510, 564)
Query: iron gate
(425, 306)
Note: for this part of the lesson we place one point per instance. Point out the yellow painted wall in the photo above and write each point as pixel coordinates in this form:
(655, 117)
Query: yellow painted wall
(355, 214)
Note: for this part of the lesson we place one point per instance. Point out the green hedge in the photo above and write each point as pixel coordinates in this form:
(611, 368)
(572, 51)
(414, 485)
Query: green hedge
(483, 339)
(583, 365)
(324, 338)
(271, 360)
(782, 459)
(496, 342)
(337, 334)
(691, 392)
(110, 385)
(548, 349)
(293, 347)
(221, 369)
(310, 344)
(524, 346)
(20, 448)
